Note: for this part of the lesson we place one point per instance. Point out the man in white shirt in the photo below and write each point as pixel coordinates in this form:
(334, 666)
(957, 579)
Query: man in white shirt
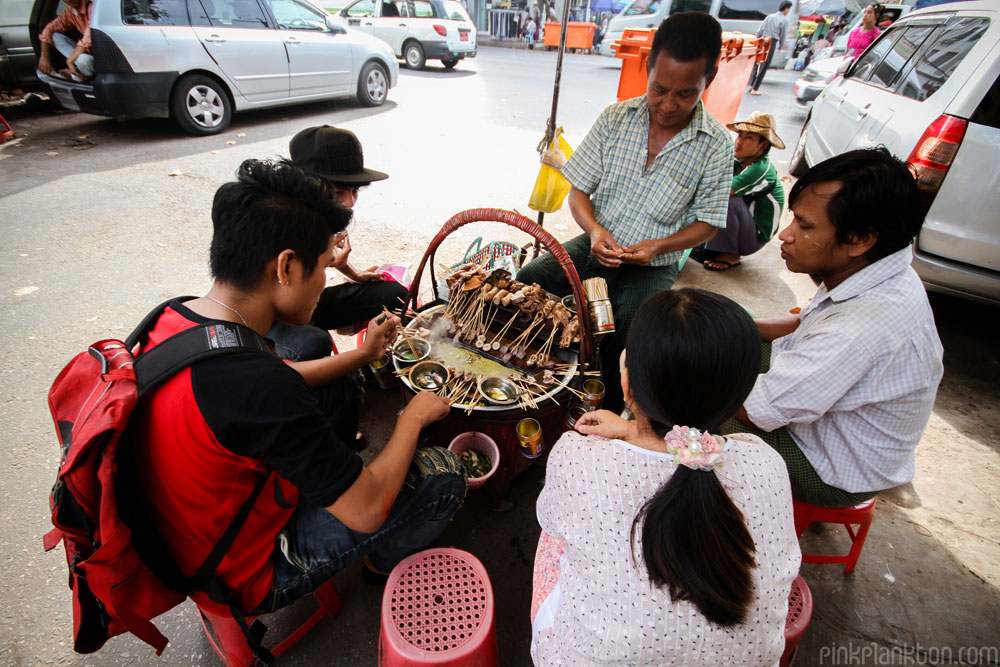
(852, 379)
(774, 26)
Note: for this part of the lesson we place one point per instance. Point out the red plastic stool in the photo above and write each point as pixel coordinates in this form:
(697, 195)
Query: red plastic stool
(800, 611)
(437, 609)
(861, 515)
(6, 133)
(231, 645)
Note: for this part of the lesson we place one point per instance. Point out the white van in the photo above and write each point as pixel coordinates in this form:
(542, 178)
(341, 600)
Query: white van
(736, 15)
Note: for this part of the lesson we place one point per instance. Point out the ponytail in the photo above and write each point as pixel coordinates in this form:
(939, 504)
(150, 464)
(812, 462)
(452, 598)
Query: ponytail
(696, 543)
(692, 358)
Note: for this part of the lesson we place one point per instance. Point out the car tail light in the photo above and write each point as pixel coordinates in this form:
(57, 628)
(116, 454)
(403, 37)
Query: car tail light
(440, 29)
(933, 154)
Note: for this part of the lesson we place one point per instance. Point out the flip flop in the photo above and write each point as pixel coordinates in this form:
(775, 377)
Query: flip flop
(702, 254)
(724, 267)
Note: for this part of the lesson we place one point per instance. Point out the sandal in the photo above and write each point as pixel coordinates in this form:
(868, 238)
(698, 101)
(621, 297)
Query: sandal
(719, 264)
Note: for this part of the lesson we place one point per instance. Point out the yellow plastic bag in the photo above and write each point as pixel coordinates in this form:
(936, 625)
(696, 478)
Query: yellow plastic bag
(550, 186)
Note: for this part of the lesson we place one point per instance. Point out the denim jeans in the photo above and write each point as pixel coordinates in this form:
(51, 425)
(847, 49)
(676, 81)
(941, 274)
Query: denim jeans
(84, 62)
(315, 545)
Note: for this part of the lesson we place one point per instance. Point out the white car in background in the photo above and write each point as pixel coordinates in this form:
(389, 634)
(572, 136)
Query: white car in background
(198, 61)
(929, 90)
(417, 30)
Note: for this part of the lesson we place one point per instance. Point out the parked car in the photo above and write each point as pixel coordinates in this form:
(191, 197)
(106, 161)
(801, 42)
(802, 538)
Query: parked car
(741, 15)
(198, 61)
(828, 62)
(17, 57)
(417, 30)
(929, 90)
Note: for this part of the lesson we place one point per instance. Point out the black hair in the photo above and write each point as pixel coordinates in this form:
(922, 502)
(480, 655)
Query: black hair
(878, 195)
(686, 37)
(272, 206)
(692, 358)
(785, 4)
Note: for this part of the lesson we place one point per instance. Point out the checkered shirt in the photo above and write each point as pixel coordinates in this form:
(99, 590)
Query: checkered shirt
(856, 381)
(688, 181)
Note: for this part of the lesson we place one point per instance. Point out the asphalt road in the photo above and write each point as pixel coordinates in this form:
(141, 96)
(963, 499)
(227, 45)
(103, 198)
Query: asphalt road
(91, 239)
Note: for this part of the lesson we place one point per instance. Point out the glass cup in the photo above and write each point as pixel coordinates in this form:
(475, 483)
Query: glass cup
(593, 394)
(529, 437)
(383, 371)
(573, 415)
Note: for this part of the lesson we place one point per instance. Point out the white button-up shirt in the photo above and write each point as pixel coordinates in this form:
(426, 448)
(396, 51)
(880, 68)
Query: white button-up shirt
(856, 381)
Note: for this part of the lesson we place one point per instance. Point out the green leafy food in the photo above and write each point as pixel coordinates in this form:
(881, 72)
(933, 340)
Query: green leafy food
(476, 463)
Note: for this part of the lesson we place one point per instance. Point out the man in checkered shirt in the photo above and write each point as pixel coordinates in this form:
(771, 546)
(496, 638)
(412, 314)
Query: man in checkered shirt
(650, 180)
(852, 379)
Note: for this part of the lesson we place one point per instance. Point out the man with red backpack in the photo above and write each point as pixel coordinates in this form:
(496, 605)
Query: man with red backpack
(209, 436)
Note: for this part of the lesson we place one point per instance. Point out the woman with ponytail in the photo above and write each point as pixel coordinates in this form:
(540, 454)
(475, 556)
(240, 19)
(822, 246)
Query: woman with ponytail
(661, 543)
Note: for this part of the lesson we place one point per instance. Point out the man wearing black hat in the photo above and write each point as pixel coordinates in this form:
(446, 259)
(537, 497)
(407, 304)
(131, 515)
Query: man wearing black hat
(335, 155)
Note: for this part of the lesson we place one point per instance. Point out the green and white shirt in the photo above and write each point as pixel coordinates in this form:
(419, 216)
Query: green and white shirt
(689, 180)
(761, 188)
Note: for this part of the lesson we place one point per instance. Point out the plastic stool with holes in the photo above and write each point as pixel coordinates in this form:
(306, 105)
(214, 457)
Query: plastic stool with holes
(437, 609)
(6, 133)
(800, 610)
(861, 515)
(229, 642)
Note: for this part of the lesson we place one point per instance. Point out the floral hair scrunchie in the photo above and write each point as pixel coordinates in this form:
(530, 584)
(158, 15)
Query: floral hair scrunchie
(695, 449)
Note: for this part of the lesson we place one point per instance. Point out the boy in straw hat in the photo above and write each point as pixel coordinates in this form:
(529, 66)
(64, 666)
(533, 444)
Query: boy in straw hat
(756, 196)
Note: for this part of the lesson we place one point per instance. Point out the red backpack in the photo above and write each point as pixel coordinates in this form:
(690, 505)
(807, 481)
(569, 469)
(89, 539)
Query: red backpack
(118, 572)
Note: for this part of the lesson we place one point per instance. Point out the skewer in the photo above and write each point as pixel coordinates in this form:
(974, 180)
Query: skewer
(404, 333)
(503, 331)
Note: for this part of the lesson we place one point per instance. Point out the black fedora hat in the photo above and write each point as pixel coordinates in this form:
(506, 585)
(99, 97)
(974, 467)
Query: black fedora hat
(333, 154)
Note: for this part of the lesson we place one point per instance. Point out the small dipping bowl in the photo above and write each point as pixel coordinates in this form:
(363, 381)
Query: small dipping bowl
(404, 356)
(498, 390)
(482, 443)
(569, 301)
(428, 375)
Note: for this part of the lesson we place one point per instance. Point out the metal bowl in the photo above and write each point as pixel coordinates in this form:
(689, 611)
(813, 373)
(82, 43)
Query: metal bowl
(429, 375)
(498, 390)
(569, 301)
(404, 357)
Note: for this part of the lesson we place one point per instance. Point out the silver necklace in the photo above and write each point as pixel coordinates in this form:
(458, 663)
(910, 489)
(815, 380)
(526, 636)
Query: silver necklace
(230, 308)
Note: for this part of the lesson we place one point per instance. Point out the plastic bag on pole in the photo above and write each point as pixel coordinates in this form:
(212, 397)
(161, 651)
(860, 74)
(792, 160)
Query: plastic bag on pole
(550, 186)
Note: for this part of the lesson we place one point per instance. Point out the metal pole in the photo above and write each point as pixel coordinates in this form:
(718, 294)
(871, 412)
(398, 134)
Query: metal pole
(550, 127)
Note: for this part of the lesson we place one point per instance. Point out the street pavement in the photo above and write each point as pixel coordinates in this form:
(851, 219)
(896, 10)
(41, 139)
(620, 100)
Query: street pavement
(91, 239)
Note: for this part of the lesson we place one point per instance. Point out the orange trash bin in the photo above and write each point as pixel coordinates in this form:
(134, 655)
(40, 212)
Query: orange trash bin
(579, 34)
(722, 99)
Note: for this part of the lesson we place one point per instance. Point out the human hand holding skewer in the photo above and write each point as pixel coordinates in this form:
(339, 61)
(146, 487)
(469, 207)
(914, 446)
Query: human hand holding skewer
(379, 337)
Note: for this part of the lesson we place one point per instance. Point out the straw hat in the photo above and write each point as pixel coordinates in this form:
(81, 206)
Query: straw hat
(760, 123)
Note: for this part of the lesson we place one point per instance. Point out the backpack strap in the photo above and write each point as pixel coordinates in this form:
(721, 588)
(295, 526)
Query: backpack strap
(190, 346)
(139, 333)
(159, 364)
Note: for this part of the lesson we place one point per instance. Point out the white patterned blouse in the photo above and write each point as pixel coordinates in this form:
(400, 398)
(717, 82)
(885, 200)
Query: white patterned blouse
(604, 610)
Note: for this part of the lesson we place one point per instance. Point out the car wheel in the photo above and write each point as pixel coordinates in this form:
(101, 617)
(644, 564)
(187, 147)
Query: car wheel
(797, 165)
(373, 85)
(200, 105)
(414, 56)
(449, 63)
